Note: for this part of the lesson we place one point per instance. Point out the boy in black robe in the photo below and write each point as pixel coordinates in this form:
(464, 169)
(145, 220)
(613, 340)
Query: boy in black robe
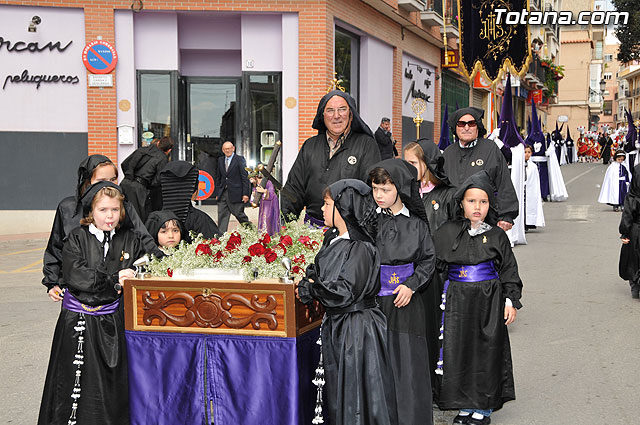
(87, 375)
(344, 278)
(479, 301)
(407, 261)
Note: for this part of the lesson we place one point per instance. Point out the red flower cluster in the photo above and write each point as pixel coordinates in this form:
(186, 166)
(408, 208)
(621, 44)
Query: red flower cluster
(169, 272)
(286, 240)
(265, 239)
(270, 256)
(246, 259)
(234, 242)
(299, 259)
(296, 269)
(257, 249)
(203, 249)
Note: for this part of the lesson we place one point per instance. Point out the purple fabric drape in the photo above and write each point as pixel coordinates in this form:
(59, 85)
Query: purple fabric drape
(623, 184)
(269, 213)
(251, 380)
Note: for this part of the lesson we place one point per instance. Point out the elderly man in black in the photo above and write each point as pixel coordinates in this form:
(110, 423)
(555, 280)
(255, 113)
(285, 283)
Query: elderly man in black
(344, 148)
(474, 153)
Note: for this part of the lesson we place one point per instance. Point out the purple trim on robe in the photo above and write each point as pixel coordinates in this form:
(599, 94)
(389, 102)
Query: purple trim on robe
(623, 183)
(269, 212)
(71, 303)
(543, 170)
(251, 380)
(314, 221)
(392, 276)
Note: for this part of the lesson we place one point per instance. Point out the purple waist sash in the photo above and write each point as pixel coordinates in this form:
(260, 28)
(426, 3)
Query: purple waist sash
(314, 221)
(71, 303)
(473, 273)
(392, 276)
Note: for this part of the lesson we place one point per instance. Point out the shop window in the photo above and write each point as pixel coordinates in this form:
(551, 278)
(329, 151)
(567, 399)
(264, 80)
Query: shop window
(155, 106)
(347, 61)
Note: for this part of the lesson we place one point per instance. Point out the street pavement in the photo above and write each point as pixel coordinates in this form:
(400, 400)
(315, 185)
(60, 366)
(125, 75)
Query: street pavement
(575, 343)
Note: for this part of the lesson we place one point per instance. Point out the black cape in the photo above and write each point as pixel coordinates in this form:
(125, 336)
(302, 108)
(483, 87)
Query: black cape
(200, 222)
(141, 183)
(90, 278)
(68, 216)
(157, 219)
(313, 171)
(359, 385)
(461, 163)
(629, 264)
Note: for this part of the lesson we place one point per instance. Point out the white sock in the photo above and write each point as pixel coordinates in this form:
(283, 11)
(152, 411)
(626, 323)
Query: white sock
(477, 415)
(461, 413)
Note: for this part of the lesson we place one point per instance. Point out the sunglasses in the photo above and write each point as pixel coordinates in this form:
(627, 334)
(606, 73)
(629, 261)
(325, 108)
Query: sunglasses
(471, 123)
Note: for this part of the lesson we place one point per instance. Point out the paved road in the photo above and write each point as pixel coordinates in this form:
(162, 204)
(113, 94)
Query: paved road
(575, 343)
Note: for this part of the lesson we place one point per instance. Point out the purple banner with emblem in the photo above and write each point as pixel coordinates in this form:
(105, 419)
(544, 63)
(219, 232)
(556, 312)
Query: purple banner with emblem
(392, 276)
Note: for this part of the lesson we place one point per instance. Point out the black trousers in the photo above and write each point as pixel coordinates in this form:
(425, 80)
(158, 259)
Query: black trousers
(226, 208)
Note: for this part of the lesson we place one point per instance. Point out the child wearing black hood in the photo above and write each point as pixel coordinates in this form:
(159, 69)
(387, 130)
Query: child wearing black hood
(479, 301)
(344, 278)
(166, 228)
(629, 266)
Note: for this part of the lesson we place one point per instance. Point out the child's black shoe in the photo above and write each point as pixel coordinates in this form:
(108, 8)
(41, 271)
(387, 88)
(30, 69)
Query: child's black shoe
(486, 420)
(462, 419)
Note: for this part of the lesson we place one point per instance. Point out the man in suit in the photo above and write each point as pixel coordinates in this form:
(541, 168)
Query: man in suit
(386, 144)
(232, 187)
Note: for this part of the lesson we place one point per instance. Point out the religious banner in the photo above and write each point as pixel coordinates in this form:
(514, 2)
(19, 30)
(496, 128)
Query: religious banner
(488, 43)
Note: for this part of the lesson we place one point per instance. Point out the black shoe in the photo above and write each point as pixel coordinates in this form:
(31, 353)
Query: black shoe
(460, 419)
(486, 420)
(635, 294)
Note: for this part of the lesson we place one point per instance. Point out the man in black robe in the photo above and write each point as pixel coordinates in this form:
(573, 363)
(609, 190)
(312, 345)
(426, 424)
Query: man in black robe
(386, 144)
(474, 153)
(344, 148)
(141, 183)
(605, 153)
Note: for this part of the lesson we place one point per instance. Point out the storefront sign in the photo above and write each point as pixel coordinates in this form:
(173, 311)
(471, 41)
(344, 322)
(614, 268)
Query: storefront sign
(98, 80)
(99, 57)
(418, 82)
(40, 79)
(450, 58)
(33, 47)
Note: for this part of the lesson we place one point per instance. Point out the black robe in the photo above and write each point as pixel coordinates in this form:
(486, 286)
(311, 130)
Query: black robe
(313, 171)
(359, 385)
(478, 372)
(104, 397)
(629, 264)
(67, 218)
(461, 163)
(141, 183)
(402, 240)
(200, 222)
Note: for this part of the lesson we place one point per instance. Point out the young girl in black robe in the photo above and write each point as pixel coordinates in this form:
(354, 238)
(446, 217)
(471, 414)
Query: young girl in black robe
(344, 278)
(93, 169)
(166, 228)
(87, 376)
(407, 261)
(479, 301)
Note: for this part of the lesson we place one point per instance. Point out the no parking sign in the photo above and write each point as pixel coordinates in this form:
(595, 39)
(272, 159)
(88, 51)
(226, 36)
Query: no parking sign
(205, 186)
(99, 57)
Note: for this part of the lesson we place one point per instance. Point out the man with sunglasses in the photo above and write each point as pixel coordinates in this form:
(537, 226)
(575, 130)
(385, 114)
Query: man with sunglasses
(474, 153)
(344, 148)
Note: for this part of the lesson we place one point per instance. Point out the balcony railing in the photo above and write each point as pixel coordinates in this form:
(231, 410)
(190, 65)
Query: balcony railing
(434, 6)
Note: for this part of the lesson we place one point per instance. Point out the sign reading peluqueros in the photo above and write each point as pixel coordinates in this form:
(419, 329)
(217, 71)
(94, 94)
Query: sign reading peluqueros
(491, 46)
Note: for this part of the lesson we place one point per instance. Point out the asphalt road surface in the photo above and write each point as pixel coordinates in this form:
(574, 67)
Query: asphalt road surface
(575, 344)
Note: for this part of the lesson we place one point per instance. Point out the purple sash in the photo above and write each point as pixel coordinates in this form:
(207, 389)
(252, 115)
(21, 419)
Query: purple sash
(392, 276)
(71, 303)
(314, 221)
(473, 273)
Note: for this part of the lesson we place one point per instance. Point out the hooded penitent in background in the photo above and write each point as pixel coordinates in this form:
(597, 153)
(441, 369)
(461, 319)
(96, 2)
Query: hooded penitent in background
(481, 154)
(615, 184)
(475, 364)
(69, 214)
(536, 139)
(407, 258)
(511, 138)
(534, 216)
(317, 166)
(558, 143)
(345, 275)
(629, 265)
(631, 141)
(179, 183)
(444, 141)
(572, 152)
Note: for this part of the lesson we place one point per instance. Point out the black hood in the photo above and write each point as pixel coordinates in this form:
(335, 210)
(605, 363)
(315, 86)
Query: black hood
(479, 180)
(634, 187)
(476, 113)
(179, 179)
(92, 191)
(434, 160)
(355, 204)
(357, 124)
(157, 218)
(85, 170)
(405, 178)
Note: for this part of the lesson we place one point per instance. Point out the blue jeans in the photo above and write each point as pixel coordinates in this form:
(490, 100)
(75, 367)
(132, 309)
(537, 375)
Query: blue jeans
(480, 412)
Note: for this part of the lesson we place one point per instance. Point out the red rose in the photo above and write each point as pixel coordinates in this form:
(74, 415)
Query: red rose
(284, 250)
(286, 240)
(299, 259)
(203, 249)
(257, 249)
(270, 256)
(218, 256)
(296, 270)
(234, 241)
(246, 259)
(265, 239)
(304, 239)
(214, 242)
(169, 272)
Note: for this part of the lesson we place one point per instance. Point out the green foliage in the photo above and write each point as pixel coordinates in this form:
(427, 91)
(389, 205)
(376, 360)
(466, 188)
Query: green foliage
(629, 34)
(553, 74)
